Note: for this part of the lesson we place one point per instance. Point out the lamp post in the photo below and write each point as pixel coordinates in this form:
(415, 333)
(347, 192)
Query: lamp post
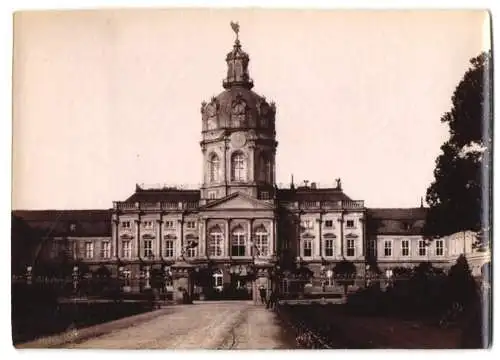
(29, 270)
(75, 279)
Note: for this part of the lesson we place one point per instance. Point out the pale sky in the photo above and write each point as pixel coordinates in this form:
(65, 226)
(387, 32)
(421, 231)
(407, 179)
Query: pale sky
(107, 99)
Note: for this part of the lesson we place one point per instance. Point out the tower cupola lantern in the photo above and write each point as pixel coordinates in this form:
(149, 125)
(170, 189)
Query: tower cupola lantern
(237, 64)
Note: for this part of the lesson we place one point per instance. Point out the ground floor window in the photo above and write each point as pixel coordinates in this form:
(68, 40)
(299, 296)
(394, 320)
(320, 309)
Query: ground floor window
(387, 248)
(405, 247)
(105, 250)
(148, 248)
(191, 252)
(217, 280)
(351, 251)
(127, 275)
(329, 247)
(307, 247)
(372, 248)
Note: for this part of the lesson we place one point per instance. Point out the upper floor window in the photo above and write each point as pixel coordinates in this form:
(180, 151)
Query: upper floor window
(387, 248)
(349, 224)
(89, 250)
(191, 252)
(148, 224)
(214, 164)
(126, 249)
(126, 224)
(405, 247)
(238, 243)
(190, 224)
(211, 195)
(307, 224)
(169, 248)
(422, 248)
(169, 224)
(262, 242)
(329, 223)
(238, 167)
(215, 243)
(105, 250)
(439, 247)
(264, 195)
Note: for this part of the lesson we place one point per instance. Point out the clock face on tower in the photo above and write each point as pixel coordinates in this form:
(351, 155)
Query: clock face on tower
(238, 140)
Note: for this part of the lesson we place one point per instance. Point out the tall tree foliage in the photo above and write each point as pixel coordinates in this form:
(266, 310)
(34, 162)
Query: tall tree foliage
(460, 195)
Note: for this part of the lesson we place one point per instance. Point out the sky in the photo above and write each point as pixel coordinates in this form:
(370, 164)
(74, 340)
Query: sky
(106, 99)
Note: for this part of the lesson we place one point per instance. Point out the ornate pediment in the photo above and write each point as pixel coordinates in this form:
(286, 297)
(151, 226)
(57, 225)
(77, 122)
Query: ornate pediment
(170, 237)
(308, 235)
(238, 201)
(329, 236)
(191, 237)
(148, 236)
(351, 235)
(126, 237)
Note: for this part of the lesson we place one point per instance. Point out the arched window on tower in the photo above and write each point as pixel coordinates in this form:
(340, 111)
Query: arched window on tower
(214, 164)
(238, 172)
(266, 168)
(261, 241)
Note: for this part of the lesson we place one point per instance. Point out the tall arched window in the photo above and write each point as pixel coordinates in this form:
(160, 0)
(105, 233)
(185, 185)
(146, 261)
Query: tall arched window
(216, 241)
(265, 168)
(261, 241)
(214, 168)
(238, 242)
(238, 167)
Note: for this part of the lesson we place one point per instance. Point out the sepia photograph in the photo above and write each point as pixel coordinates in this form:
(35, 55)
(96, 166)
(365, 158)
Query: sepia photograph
(218, 178)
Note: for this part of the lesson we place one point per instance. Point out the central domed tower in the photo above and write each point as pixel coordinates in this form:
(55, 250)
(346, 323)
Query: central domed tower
(238, 135)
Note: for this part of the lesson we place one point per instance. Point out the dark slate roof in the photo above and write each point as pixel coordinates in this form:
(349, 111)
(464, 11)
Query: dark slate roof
(397, 221)
(310, 194)
(60, 222)
(163, 195)
(417, 213)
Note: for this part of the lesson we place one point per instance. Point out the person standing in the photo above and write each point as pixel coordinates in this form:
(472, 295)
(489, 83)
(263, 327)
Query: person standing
(262, 293)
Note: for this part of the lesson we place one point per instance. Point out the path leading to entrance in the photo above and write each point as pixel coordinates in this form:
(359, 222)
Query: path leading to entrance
(213, 325)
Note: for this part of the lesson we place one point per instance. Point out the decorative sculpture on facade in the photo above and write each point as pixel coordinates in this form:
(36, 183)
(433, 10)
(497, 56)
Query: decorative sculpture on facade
(238, 112)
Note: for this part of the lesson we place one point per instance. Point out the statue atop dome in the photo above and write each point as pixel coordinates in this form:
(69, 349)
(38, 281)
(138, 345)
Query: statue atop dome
(236, 28)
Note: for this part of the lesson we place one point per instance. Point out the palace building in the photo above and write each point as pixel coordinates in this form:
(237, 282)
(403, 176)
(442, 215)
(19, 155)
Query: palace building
(239, 223)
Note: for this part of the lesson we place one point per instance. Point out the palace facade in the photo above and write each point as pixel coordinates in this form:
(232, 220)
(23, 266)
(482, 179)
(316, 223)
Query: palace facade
(239, 222)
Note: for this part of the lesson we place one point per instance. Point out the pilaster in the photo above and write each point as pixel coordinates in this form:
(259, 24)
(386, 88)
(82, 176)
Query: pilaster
(249, 244)
(227, 247)
(320, 240)
(159, 242)
(115, 237)
(138, 237)
(341, 225)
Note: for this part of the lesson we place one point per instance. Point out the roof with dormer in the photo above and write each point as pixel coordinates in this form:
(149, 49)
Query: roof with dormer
(304, 193)
(163, 195)
(77, 223)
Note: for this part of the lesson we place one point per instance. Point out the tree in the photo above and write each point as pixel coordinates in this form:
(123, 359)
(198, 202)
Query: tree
(459, 197)
(345, 273)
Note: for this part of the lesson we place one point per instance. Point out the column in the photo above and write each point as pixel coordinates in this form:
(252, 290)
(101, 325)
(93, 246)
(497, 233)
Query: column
(273, 223)
(114, 231)
(363, 237)
(159, 242)
(320, 230)
(138, 237)
(201, 237)
(341, 222)
(251, 163)
(249, 248)
(299, 253)
(180, 231)
(227, 251)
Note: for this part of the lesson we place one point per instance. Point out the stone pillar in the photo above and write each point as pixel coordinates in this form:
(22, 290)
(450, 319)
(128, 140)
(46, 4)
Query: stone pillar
(115, 237)
(320, 240)
(201, 237)
(297, 226)
(227, 251)
(138, 237)
(251, 163)
(273, 229)
(341, 222)
(249, 247)
(363, 238)
(159, 241)
(180, 243)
